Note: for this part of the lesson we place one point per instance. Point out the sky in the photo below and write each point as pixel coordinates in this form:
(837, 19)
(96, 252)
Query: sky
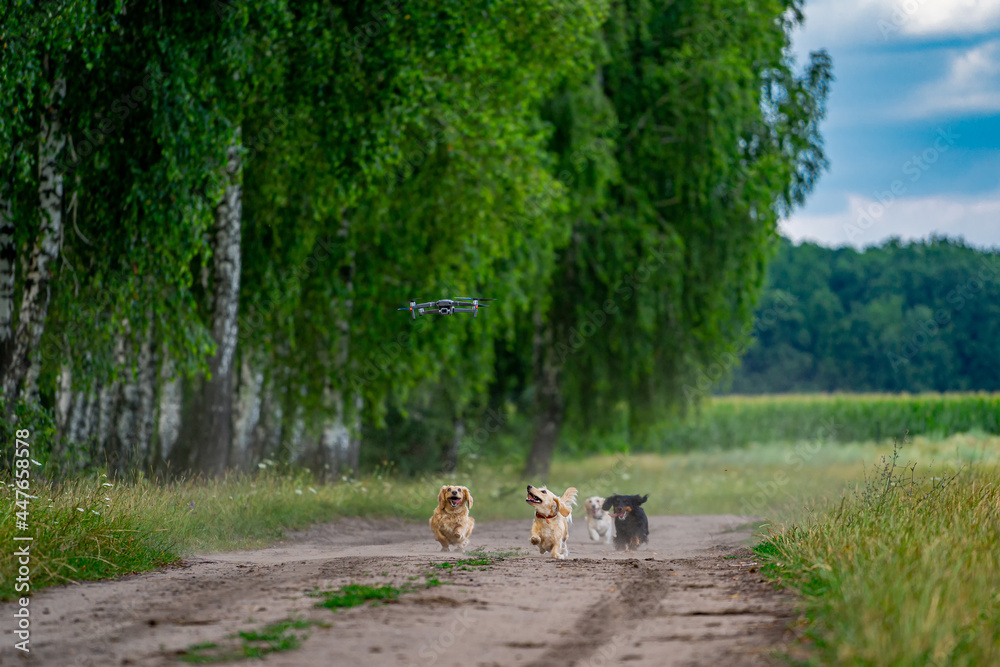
(913, 122)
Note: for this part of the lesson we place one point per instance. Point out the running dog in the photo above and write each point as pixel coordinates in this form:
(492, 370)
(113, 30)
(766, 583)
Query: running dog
(631, 525)
(553, 514)
(600, 525)
(451, 522)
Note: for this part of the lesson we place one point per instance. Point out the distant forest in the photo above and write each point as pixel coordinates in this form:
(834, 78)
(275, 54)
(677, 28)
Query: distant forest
(920, 316)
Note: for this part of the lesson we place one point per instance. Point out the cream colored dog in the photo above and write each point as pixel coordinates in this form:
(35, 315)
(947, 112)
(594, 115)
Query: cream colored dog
(451, 522)
(600, 525)
(553, 515)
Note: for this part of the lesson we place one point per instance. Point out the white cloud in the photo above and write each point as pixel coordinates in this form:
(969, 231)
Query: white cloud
(947, 17)
(868, 222)
(972, 85)
(833, 22)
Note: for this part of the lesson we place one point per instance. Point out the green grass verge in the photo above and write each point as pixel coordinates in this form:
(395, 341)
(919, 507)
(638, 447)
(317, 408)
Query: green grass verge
(904, 572)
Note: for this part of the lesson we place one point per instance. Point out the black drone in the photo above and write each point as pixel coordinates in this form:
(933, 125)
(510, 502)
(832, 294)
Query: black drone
(460, 304)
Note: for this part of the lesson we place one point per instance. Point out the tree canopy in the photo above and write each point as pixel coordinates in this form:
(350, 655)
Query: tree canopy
(218, 209)
(902, 316)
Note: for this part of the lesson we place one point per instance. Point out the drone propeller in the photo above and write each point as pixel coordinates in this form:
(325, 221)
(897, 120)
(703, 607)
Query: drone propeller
(471, 298)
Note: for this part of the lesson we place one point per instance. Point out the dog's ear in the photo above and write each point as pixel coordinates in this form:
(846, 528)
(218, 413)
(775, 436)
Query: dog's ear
(441, 496)
(608, 502)
(563, 508)
(640, 501)
(468, 496)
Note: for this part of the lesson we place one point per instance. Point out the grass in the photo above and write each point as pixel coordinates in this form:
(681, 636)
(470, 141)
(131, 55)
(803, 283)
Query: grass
(481, 560)
(353, 595)
(285, 635)
(906, 571)
(93, 529)
(735, 421)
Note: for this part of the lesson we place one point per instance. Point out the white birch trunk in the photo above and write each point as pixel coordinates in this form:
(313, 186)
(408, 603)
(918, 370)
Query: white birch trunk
(120, 446)
(248, 408)
(64, 399)
(78, 429)
(214, 427)
(335, 440)
(35, 299)
(146, 406)
(104, 413)
(297, 438)
(267, 434)
(171, 394)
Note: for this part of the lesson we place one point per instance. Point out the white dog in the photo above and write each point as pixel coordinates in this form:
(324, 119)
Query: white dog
(600, 525)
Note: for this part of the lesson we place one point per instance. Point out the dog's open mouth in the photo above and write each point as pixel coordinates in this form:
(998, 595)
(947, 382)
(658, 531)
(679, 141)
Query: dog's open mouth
(620, 515)
(455, 502)
(534, 500)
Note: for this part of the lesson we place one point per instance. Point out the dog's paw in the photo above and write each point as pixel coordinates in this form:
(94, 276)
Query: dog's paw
(446, 548)
(535, 539)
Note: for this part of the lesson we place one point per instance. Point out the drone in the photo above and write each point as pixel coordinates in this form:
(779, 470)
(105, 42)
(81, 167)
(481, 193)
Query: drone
(460, 304)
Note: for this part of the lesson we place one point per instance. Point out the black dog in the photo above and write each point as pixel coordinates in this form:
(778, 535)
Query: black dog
(631, 526)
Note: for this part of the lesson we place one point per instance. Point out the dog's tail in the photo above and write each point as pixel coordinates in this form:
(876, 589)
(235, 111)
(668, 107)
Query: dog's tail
(566, 503)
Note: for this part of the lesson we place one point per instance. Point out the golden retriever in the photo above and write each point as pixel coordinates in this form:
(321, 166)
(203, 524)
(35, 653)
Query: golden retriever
(451, 522)
(553, 515)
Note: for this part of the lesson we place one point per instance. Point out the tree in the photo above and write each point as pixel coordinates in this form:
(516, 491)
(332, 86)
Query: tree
(715, 136)
(897, 317)
(40, 48)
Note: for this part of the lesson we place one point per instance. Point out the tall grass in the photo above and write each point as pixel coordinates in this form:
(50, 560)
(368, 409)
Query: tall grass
(907, 572)
(734, 421)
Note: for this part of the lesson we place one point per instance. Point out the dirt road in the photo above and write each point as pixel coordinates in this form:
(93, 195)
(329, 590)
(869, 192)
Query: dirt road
(691, 597)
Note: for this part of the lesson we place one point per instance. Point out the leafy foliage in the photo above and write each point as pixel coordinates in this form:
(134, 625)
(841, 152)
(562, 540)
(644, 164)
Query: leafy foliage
(910, 317)
(561, 155)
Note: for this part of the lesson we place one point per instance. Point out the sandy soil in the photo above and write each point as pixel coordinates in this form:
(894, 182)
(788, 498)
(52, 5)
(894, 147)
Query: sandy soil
(693, 596)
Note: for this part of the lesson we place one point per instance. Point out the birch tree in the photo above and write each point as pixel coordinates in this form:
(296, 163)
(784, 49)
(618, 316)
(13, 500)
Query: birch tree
(713, 134)
(214, 423)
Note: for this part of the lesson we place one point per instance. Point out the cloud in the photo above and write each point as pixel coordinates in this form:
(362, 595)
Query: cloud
(971, 85)
(832, 22)
(867, 221)
(947, 18)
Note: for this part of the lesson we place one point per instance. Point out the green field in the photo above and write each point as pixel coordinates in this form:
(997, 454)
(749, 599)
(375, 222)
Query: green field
(735, 421)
